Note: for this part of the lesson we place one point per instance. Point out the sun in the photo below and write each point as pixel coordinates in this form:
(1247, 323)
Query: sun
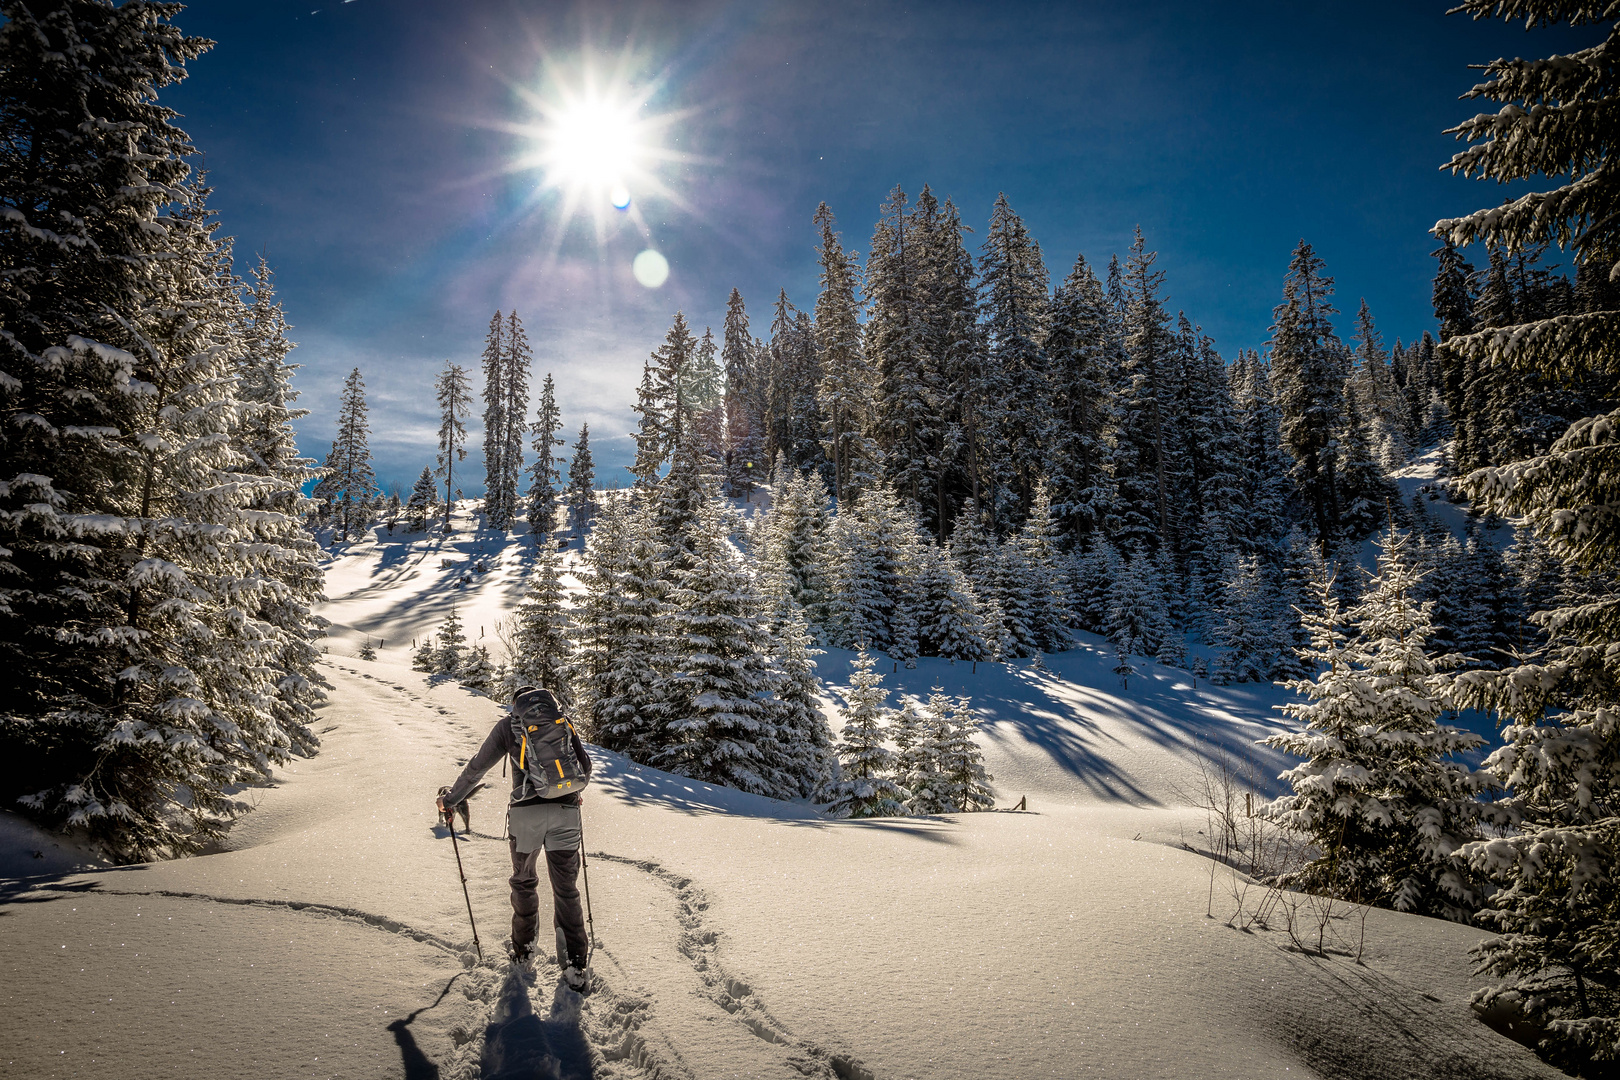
(598, 141)
(592, 144)
(601, 151)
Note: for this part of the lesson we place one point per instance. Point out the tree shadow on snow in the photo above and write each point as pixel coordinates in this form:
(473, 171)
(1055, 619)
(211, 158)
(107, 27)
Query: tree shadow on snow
(518, 1043)
(1074, 713)
(42, 889)
(938, 830)
(641, 785)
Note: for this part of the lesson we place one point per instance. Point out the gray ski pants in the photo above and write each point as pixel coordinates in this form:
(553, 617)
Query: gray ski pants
(554, 829)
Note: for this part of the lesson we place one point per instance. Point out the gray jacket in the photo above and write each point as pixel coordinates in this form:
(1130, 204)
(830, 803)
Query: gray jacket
(503, 742)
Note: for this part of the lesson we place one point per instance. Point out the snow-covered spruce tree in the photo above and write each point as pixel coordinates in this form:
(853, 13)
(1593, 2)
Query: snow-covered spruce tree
(793, 538)
(702, 388)
(1048, 592)
(494, 361)
(501, 499)
(845, 392)
(651, 452)
(962, 782)
(454, 399)
(580, 496)
(1365, 493)
(1081, 454)
(718, 683)
(1380, 795)
(891, 532)
(1092, 574)
(350, 483)
(1300, 567)
(140, 671)
(973, 550)
(541, 647)
(914, 734)
(1136, 619)
(420, 505)
(1307, 372)
(865, 787)
(948, 619)
(1241, 630)
(1011, 583)
(805, 738)
(1144, 398)
(266, 438)
(1496, 613)
(1557, 872)
(1016, 407)
(545, 480)
(591, 633)
(870, 596)
(671, 381)
(617, 632)
(676, 504)
(1383, 410)
(744, 396)
(477, 672)
(1210, 483)
(857, 614)
(425, 658)
(904, 410)
(954, 337)
(447, 657)
(1264, 488)
(795, 419)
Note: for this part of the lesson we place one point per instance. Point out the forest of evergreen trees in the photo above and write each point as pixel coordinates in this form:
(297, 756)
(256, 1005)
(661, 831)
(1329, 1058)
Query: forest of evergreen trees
(963, 460)
(157, 645)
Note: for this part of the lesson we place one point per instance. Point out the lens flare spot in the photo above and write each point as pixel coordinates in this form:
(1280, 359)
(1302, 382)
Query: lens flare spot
(619, 197)
(650, 268)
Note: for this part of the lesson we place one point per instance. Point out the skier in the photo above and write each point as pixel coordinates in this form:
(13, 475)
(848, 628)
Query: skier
(550, 767)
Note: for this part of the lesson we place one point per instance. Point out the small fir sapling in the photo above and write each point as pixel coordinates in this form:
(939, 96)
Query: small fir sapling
(447, 657)
(477, 672)
(962, 782)
(864, 787)
(420, 504)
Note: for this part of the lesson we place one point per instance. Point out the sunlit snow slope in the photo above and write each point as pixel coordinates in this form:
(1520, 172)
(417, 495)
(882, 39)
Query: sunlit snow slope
(740, 937)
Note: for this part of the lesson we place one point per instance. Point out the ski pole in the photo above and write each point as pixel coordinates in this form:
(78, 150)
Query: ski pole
(585, 868)
(468, 898)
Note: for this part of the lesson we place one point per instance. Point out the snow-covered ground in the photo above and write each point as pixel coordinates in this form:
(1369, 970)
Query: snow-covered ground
(739, 936)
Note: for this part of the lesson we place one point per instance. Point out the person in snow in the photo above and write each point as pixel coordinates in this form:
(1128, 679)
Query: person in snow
(550, 767)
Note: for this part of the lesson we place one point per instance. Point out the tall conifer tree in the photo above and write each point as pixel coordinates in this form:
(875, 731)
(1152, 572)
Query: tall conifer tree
(545, 479)
(454, 398)
(845, 392)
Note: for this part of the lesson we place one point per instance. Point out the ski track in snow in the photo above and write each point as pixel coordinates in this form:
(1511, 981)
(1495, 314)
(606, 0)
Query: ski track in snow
(727, 990)
(619, 1026)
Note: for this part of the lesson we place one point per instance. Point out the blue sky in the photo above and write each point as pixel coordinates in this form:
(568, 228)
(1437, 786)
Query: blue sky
(368, 149)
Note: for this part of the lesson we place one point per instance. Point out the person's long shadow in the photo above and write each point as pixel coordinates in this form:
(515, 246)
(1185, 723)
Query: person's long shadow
(418, 1066)
(518, 1043)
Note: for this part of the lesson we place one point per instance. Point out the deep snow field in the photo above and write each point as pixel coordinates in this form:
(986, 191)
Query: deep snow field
(738, 936)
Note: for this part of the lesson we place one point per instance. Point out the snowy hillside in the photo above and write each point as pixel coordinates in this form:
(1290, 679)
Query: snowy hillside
(739, 936)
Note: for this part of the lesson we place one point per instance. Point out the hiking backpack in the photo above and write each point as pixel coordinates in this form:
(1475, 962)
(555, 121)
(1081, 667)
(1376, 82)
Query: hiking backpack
(545, 746)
